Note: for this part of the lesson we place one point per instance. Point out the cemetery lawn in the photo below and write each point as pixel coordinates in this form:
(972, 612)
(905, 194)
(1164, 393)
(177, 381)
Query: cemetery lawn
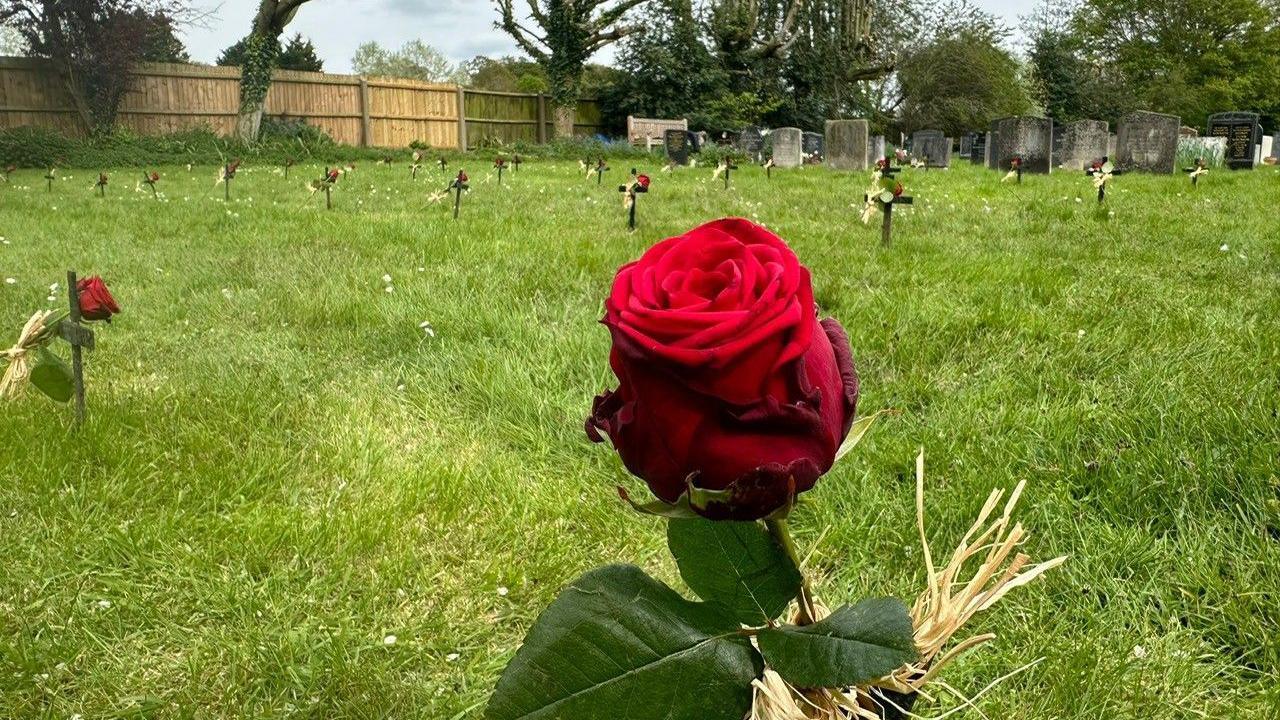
(290, 500)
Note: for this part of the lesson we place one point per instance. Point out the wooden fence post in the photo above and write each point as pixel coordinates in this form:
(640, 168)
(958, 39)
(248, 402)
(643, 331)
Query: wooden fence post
(366, 130)
(462, 118)
(542, 119)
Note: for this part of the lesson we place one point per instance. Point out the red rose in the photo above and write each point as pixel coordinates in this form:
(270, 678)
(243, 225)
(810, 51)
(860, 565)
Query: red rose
(462, 177)
(643, 181)
(897, 190)
(727, 379)
(96, 302)
(154, 177)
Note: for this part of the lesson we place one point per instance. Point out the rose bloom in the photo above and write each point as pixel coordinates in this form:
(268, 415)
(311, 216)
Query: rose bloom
(96, 302)
(728, 380)
(643, 181)
(462, 177)
(154, 177)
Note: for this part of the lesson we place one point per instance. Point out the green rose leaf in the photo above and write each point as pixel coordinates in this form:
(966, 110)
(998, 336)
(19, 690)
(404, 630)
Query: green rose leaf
(619, 644)
(734, 564)
(853, 645)
(52, 376)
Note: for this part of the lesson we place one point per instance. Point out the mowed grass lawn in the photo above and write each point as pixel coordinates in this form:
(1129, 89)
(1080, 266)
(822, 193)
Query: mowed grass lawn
(281, 469)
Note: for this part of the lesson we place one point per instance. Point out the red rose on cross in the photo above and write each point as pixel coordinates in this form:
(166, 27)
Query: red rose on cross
(643, 181)
(96, 302)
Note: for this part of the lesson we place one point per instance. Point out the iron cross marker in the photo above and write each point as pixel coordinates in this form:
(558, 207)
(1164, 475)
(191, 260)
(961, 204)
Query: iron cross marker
(515, 163)
(1196, 171)
(639, 184)
(80, 338)
(150, 179)
(1102, 172)
(728, 167)
(101, 184)
(886, 225)
(459, 184)
(600, 170)
(288, 163)
(500, 165)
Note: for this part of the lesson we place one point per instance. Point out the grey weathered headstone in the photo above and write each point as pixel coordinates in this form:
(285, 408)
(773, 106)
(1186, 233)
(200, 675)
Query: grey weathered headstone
(676, 143)
(1148, 142)
(846, 144)
(814, 146)
(933, 146)
(751, 142)
(966, 146)
(1058, 132)
(875, 151)
(1275, 145)
(1243, 134)
(787, 149)
(978, 148)
(1029, 138)
(1083, 142)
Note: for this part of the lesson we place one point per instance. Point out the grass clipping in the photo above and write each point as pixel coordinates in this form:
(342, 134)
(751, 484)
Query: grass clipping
(940, 612)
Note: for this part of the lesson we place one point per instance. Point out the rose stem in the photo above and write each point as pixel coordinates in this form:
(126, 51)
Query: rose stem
(782, 535)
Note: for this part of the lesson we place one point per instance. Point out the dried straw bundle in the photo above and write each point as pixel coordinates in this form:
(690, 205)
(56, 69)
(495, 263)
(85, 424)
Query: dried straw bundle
(947, 603)
(19, 356)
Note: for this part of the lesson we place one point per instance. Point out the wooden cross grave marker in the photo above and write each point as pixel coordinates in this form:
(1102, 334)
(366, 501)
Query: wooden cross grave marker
(1196, 171)
(630, 190)
(601, 167)
(80, 338)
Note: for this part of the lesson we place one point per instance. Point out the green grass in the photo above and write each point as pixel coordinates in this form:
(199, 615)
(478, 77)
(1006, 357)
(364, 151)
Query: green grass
(280, 468)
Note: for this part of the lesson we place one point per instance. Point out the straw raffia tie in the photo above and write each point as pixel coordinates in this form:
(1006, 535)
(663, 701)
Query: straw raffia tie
(19, 365)
(942, 609)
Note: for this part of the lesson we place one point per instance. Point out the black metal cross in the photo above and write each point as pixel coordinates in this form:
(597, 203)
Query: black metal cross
(501, 165)
(1196, 171)
(80, 337)
(101, 184)
(631, 189)
(459, 184)
(886, 226)
(728, 166)
(288, 163)
(49, 178)
(515, 163)
(600, 170)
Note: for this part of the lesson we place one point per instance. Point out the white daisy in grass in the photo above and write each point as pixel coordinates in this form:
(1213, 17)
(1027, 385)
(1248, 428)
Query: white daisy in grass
(502, 591)
(388, 289)
(386, 278)
(10, 281)
(452, 657)
(389, 640)
(426, 327)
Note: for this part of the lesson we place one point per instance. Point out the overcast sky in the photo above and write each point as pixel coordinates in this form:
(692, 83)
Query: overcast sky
(460, 29)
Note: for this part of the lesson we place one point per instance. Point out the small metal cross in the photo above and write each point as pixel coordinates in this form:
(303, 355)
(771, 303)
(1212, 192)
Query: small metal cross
(80, 337)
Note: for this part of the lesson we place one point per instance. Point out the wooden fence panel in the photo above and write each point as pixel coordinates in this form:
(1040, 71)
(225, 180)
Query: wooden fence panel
(329, 102)
(402, 111)
(501, 117)
(378, 112)
(31, 94)
(165, 98)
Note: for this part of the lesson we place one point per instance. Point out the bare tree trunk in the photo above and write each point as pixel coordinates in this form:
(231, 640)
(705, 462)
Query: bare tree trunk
(565, 115)
(248, 122)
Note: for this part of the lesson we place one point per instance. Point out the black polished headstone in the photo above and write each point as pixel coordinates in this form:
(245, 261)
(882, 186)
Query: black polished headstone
(978, 148)
(813, 145)
(1243, 134)
(676, 143)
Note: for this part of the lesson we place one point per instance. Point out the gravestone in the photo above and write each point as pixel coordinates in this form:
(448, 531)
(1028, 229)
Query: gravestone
(1083, 142)
(1147, 142)
(814, 146)
(787, 147)
(966, 146)
(1058, 132)
(1243, 134)
(676, 143)
(751, 142)
(1029, 138)
(978, 148)
(875, 150)
(932, 145)
(846, 144)
(1275, 145)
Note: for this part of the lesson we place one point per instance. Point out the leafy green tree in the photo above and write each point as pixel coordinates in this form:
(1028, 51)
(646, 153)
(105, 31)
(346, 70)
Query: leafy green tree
(961, 82)
(93, 45)
(1188, 57)
(415, 60)
(571, 31)
(298, 54)
(666, 71)
(505, 74)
